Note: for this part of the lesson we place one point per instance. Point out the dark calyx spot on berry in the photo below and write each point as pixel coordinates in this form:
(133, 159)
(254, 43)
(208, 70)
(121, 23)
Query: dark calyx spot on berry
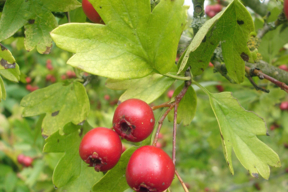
(240, 22)
(144, 188)
(94, 161)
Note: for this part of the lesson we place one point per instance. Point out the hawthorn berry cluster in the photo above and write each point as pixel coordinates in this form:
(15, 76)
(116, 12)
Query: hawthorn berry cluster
(149, 168)
(26, 161)
(212, 10)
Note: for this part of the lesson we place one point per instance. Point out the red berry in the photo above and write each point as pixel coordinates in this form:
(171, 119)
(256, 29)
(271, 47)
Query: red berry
(286, 8)
(123, 148)
(170, 93)
(29, 87)
(90, 12)
(35, 88)
(27, 161)
(211, 14)
(257, 186)
(285, 145)
(133, 120)
(283, 67)
(149, 169)
(160, 136)
(28, 79)
(217, 8)
(159, 145)
(101, 148)
(53, 79)
(208, 8)
(107, 97)
(70, 74)
(210, 64)
(49, 65)
(284, 105)
(20, 158)
(63, 77)
(48, 77)
(220, 88)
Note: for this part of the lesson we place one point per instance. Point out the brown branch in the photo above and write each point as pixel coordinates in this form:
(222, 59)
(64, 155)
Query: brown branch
(181, 181)
(262, 75)
(174, 133)
(167, 104)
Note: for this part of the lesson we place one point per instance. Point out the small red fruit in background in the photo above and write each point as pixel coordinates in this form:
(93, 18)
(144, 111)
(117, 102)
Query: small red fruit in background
(90, 12)
(217, 8)
(101, 148)
(170, 93)
(31, 88)
(49, 65)
(20, 158)
(150, 169)
(133, 120)
(123, 148)
(63, 77)
(285, 145)
(220, 88)
(283, 67)
(25, 160)
(159, 145)
(28, 79)
(107, 97)
(286, 8)
(274, 126)
(284, 105)
(210, 64)
(70, 74)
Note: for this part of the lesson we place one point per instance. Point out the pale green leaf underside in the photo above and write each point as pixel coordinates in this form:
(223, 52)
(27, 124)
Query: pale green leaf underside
(231, 28)
(187, 106)
(239, 129)
(147, 89)
(115, 180)
(61, 103)
(71, 173)
(133, 43)
(2, 90)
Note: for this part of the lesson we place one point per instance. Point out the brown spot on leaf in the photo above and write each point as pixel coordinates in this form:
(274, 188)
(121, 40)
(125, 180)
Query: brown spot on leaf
(6, 65)
(221, 136)
(255, 175)
(2, 47)
(55, 113)
(31, 21)
(267, 134)
(48, 49)
(100, 7)
(240, 22)
(81, 123)
(244, 56)
(44, 136)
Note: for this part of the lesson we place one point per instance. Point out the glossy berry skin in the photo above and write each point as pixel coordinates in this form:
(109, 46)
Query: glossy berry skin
(90, 12)
(27, 161)
(101, 148)
(284, 105)
(150, 169)
(20, 158)
(170, 94)
(286, 8)
(133, 120)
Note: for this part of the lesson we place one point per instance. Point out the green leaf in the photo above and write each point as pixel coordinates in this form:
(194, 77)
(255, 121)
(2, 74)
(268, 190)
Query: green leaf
(62, 103)
(147, 89)
(186, 108)
(239, 129)
(2, 90)
(15, 15)
(230, 28)
(71, 172)
(115, 180)
(272, 42)
(61, 6)
(134, 42)
(9, 69)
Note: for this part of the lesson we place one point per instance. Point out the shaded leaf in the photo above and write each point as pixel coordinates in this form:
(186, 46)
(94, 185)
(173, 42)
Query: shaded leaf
(61, 102)
(2, 90)
(71, 172)
(115, 180)
(186, 108)
(134, 42)
(239, 129)
(147, 89)
(230, 28)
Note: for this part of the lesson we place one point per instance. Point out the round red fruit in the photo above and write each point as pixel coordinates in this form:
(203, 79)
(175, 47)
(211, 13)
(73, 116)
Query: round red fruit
(90, 12)
(150, 169)
(217, 8)
(220, 88)
(283, 67)
(101, 148)
(133, 120)
(107, 97)
(20, 158)
(286, 8)
(284, 105)
(170, 93)
(27, 161)
(28, 79)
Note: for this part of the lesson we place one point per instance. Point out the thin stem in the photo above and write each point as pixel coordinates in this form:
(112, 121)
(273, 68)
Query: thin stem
(161, 106)
(178, 77)
(181, 181)
(160, 122)
(174, 133)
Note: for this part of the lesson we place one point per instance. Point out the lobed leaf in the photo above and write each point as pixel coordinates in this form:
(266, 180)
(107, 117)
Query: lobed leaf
(239, 129)
(134, 42)
(61, 102)
(230, 28)
(147, 89)
(115, 180)
(71, 172)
